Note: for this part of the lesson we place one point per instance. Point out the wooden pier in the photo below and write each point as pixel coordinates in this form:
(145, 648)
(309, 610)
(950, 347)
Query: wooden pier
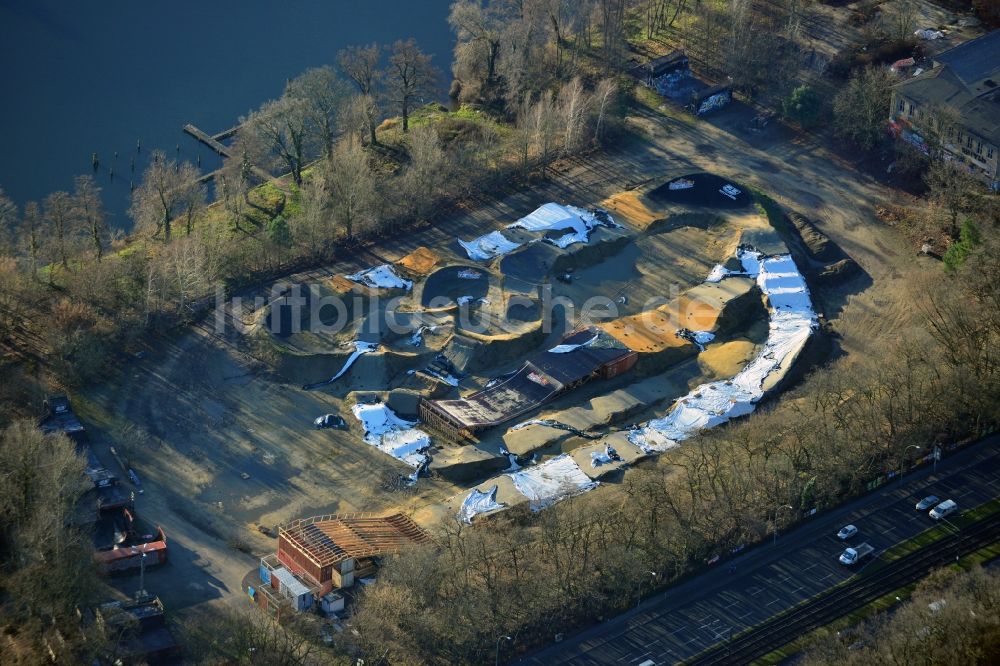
(209, 140)
(229, 133)
(215, 143)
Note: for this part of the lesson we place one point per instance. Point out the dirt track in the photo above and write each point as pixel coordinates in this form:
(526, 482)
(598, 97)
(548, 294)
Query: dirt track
(212, 415)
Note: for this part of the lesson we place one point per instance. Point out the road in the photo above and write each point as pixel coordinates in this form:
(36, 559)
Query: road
(704, 611)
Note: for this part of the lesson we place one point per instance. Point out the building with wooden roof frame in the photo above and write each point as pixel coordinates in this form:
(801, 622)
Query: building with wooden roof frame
(322, 547)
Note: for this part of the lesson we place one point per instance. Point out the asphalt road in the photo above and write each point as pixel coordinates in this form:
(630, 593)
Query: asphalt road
(691, 617)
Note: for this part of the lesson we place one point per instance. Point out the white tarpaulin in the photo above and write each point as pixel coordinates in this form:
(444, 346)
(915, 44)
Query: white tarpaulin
(478, 502)
(359, 349)
(565, 349)
(552, 481)
(792, 321)
(380, 277)
(391, 434)
(554, 217)
(493, 244)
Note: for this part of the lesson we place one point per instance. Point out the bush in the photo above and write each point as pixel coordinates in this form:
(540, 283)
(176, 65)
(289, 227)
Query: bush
(804, 106)
(849, 60)
(958, 252)
(278, 232)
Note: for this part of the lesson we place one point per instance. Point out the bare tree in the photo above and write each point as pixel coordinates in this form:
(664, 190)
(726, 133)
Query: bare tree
(479, 31)
(543, 125)
(613, 32)
(324, 96)
(44, 481)
(351, 187)
(90, 212)
(362, 117)
(8, 221)
(281, 128)
(410, 76)
(861, 109)
(162, 195)
(188, 269)
(58, 208)
(953, 188)
(426, 172)
(900, 20)
(360, 65)
(193, 202)
(573, 106)
(30, 233)
(236, 179)
(312, 228)
(248, 637)
(603, 99)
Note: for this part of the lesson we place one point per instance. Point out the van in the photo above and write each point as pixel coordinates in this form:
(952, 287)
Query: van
(944, 509)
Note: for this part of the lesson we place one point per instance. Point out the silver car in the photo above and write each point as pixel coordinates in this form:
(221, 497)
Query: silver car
(846, 532)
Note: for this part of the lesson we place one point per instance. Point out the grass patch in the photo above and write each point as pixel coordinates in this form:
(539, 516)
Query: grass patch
(770, 209)
(651, 100)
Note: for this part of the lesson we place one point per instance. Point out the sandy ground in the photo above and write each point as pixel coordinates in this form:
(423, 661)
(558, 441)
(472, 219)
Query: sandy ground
(213, 413)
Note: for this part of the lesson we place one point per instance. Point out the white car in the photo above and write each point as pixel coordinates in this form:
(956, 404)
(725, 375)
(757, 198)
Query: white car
(944, 509)
(846, 532)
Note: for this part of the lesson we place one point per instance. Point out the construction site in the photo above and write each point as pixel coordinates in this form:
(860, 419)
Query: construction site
(498, 364)
(506, 371)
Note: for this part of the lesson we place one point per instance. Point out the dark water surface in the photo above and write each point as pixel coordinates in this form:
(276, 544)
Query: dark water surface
(84, 77)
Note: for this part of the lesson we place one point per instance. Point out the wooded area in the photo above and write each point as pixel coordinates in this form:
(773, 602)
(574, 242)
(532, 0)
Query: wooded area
(363, 150)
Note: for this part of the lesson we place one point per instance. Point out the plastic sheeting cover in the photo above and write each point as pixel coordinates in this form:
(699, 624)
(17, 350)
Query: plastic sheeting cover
(792, 321)
(479, 502)
(380, 277)
(552, 481)
(703, 337)
(391, 434)
(564, 349)
(493, 244)
(359, 349)
(553, 217)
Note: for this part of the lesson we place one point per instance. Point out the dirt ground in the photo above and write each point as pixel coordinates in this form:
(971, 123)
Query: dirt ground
(229, 448)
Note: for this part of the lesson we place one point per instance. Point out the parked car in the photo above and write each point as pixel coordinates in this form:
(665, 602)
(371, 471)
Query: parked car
(846, 532)
(329, 421)
(852, 556)
(944, 509)
(927, 502)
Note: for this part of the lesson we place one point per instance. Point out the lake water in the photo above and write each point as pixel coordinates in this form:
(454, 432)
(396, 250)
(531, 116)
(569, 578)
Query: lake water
(85, 77)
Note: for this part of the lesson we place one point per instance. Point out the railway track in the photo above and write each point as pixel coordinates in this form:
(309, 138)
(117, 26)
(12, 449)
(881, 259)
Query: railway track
(866, 587)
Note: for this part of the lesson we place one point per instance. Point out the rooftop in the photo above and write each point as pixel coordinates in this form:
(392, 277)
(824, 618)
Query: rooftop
(974, 62)
(967, 79)
(583, 353)
(333, 538)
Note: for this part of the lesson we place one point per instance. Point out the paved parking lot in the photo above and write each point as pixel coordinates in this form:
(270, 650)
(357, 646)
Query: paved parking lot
(689, 618)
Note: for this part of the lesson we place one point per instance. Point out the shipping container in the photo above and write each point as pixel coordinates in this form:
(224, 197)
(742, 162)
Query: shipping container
(619, 366)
